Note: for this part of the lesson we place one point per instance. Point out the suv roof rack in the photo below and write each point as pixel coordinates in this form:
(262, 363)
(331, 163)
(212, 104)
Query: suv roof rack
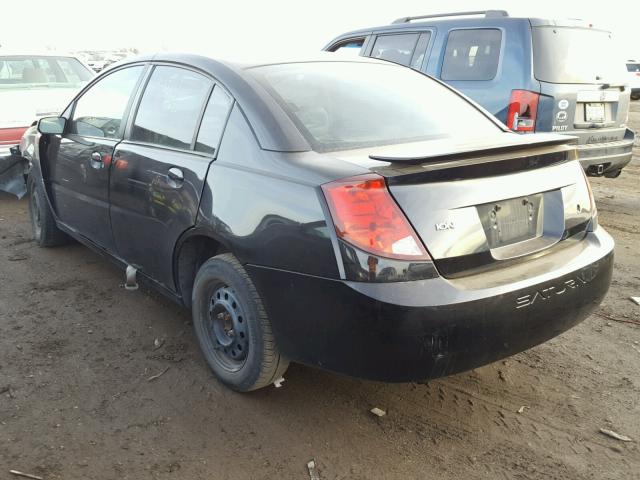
(486, 13)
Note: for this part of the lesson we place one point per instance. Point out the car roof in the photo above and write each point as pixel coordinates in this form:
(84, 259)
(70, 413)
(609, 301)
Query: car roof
(260, 109)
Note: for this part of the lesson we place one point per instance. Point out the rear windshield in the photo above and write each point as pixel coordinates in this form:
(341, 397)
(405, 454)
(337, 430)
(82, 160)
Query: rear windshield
(633, 67)
(18, 72)
(575, 55)
(344, 105)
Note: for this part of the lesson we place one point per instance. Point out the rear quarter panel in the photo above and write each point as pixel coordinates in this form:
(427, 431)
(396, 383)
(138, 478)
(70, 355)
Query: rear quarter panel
(266, 207)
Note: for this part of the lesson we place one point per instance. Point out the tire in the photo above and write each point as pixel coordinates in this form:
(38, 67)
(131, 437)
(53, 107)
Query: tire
(43, 224)
(232, 326)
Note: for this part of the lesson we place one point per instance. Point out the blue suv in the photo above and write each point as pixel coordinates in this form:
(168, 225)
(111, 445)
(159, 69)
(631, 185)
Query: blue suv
(535, 75)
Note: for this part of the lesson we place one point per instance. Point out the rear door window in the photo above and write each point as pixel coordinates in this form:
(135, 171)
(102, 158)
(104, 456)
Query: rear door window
(213, 121)
(351, 47)
(420, 50)
(99, 112)
(472, 54)
(170, 108)
(395, 48)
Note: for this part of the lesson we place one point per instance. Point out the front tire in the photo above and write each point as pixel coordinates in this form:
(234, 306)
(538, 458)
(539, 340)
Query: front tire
(43, 224)
(232, 326)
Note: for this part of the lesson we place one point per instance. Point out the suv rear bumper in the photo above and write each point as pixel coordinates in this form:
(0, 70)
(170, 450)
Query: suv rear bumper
(613, 156)
(411, 331)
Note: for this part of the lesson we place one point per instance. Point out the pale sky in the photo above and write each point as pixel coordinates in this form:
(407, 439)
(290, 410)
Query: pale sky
(239, 27)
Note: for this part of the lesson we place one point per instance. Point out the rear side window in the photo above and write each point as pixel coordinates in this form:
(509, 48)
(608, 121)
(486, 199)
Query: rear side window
(472, 54)
(395, 48)
(349, 47)
(213, 122)
(99, 112)
(170, 107)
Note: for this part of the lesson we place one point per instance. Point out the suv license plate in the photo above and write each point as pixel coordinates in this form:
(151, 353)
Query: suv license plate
(594, 112)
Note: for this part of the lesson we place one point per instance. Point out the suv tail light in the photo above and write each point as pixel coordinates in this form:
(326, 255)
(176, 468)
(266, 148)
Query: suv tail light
(522, 112)
(366, 216)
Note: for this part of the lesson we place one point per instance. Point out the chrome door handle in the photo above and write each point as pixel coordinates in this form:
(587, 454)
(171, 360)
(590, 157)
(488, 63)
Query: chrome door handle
(176, 177)
(96, 161)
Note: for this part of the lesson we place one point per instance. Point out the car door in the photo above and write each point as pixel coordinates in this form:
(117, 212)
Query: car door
(77, 171)
(159, 169)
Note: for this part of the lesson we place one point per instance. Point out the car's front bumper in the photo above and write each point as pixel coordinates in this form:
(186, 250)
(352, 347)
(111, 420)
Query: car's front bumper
(431, 328)
(612, 156)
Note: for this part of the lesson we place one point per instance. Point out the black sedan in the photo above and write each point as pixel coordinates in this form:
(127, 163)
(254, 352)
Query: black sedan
(352, 215)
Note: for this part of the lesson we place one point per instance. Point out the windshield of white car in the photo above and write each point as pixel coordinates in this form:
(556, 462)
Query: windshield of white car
(347, 105)
(23, 72)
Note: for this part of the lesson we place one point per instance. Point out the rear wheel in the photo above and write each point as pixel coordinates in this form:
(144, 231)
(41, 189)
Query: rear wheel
(232, 326)
(43, 225)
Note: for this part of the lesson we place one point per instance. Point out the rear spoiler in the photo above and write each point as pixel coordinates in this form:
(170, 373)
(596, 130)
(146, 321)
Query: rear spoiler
(474, 152)
(477, 163)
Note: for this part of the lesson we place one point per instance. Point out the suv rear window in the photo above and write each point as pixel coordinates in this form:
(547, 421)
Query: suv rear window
(19, 72)
(345, 105)
(633, 67)
(472, 54)
(575, 55)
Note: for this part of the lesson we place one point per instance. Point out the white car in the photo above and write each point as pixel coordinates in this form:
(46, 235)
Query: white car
(633, 67)
(33, 86)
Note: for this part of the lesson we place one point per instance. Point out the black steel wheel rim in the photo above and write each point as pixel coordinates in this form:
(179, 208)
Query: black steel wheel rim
(226, 328)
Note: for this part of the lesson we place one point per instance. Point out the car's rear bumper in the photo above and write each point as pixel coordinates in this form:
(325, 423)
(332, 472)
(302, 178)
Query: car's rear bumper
(612, 156)
(431, 328)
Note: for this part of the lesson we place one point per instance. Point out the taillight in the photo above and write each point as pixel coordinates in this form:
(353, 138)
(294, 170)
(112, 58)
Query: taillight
(366, 216)
(522, 112)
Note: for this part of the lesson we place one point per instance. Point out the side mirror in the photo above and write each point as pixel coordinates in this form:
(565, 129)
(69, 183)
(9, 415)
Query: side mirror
(52, 125)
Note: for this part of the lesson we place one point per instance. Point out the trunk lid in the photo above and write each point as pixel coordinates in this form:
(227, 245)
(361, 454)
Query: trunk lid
(488, 202)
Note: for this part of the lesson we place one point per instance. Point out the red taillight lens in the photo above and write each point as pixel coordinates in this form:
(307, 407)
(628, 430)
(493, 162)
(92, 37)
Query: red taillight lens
(366, 216)
(522, 112)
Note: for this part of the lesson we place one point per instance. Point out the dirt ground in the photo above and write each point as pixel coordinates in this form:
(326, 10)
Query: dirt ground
(76, 352)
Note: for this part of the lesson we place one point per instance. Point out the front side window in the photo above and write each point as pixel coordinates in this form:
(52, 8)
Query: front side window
(395, 48)
(100, 110)
(170, 107)
(213, 121)
(472, 54)
(345, 105)
(349, 47)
